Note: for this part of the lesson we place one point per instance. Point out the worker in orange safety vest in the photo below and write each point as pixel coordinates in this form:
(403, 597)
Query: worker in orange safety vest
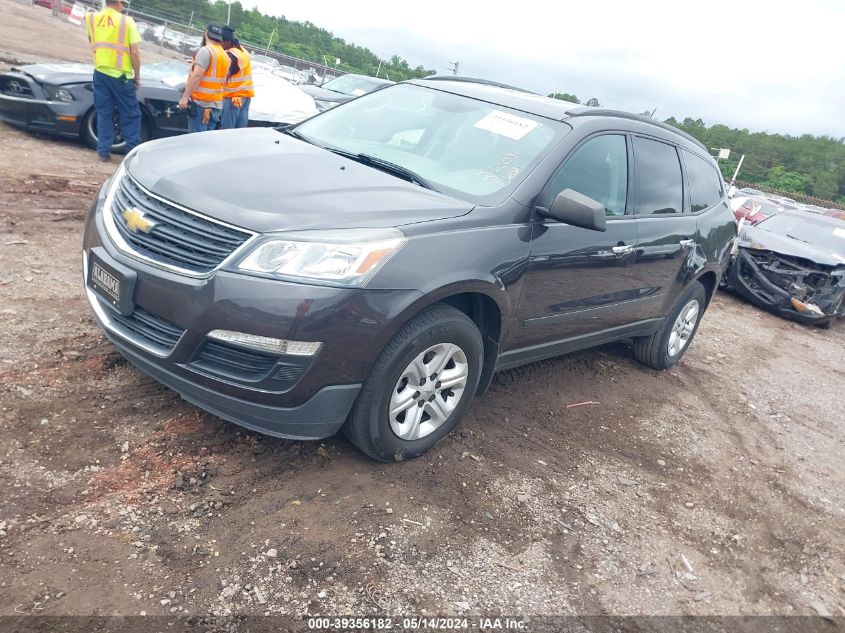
(114, 39)
(239, 89)
(203, 95)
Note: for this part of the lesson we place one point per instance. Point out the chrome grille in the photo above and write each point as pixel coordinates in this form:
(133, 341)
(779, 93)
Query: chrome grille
(15, 86)
(178, 237)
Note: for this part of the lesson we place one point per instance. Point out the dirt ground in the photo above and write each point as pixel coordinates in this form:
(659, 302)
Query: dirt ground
(715, 488)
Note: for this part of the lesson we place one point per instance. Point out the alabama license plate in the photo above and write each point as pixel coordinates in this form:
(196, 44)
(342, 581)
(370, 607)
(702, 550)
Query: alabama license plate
(113, 283)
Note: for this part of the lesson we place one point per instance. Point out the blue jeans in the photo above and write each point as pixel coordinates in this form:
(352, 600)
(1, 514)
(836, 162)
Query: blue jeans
(235, 117)
(112, 94)
(195, 123)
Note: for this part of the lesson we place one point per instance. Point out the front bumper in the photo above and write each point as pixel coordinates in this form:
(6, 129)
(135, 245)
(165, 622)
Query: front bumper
(304, 398)
(746, 278)
(47, 117)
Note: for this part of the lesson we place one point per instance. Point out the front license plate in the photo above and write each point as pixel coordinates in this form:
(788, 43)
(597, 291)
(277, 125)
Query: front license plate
(113, 283)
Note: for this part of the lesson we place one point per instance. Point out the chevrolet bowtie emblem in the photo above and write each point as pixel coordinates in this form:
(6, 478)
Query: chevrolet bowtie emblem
(135, 220)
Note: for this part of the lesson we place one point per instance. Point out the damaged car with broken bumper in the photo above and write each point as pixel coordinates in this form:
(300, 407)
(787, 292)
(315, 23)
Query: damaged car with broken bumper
(793, 263)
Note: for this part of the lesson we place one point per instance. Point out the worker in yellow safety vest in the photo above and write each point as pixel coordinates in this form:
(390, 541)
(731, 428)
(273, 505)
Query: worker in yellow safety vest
(239, 89)
(203, 95)
(114, 42)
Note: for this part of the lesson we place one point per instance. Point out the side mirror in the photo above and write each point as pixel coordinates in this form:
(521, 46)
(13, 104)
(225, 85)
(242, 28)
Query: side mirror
(571, 207)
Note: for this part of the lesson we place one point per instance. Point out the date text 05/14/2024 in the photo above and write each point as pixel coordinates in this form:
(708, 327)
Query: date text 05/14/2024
(417, 623)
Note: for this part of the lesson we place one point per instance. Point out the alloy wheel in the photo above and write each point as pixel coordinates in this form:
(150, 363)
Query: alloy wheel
(428, 391)
(683, 328)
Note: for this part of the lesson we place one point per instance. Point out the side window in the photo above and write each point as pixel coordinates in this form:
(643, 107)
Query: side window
(598, 169)
(658, 173)
(705, 185)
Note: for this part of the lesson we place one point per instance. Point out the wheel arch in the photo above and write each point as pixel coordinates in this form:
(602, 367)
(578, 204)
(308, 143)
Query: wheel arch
(710, 280)
(483, 302)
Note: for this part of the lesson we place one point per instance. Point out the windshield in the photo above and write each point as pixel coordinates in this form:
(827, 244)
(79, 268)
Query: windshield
(807, 229)
(352, 85)
(467, 148)
(166, 72)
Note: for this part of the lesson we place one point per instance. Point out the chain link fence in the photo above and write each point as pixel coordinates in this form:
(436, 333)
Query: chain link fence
(798, 197)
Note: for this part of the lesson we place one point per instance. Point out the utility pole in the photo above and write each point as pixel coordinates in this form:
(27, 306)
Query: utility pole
(229, 13)
(270, 40)
(454, 67)
(379, 68)
(736, 173)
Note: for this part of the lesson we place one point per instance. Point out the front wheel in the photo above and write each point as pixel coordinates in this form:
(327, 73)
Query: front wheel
(664, 348)
(419, 387)
(89, 132)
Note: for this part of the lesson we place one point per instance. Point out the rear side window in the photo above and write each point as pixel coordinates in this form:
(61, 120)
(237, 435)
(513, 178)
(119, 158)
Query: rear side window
(705, 185)
(598, 169)
(658, 175)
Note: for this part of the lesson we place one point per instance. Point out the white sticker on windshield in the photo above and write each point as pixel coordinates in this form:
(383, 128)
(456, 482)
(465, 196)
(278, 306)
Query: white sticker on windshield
(839, 232)
(504, 124)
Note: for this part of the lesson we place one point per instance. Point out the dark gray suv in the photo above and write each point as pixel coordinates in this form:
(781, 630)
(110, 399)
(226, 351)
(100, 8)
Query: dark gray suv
(371, 268)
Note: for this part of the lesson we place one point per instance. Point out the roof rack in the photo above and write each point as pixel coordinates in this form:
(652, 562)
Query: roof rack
(634, 117)
(475, 80)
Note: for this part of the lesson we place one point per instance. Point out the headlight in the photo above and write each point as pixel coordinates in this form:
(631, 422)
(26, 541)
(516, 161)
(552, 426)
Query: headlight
(55, 93)
(348, 257)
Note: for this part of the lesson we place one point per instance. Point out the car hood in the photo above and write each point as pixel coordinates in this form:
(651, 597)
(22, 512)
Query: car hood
(758, 239)
(263, 180)
(324, 94)
(64, 74)
(59, 74)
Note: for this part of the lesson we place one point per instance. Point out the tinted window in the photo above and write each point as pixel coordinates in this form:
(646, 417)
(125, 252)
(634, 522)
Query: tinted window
(598, 169)
(659, 184)
(705, 185)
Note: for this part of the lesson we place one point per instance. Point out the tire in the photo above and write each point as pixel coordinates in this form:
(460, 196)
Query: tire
(655, 351)
(89, 133)
(440, 334)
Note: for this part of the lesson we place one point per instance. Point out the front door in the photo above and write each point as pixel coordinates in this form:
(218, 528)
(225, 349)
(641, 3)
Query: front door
(580, 281)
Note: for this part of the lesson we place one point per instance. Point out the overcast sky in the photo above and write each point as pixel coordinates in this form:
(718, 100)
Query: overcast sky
(776, 66)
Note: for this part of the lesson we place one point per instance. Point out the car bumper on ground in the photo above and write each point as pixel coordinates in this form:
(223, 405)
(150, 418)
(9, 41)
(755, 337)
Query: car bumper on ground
(747, 279)
(166, 332)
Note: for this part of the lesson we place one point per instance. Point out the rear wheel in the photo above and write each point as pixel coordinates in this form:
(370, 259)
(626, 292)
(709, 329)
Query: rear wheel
(419, 387)
(666, 347)
(89, 132)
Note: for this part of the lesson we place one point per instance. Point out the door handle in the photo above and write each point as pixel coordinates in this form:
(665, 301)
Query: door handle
(623, 249)
(687, 243)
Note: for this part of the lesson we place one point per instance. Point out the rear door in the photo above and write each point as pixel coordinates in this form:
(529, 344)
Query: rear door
(667, 230)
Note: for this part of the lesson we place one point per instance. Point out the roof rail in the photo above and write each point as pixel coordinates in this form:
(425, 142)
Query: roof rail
(475, 80)
(634, 117)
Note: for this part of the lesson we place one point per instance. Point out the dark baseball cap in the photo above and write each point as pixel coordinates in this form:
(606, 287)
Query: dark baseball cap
(219, 32)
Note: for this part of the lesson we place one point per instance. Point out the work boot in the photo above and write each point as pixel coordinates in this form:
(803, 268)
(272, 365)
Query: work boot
(105, 158)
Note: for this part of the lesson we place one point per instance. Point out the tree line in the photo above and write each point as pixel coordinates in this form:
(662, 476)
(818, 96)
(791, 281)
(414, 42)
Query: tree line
(812, 165)
(298, 39)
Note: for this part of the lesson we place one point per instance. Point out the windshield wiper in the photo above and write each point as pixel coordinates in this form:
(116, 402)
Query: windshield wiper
(291, 131)
(386, 165)
(393, 168)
